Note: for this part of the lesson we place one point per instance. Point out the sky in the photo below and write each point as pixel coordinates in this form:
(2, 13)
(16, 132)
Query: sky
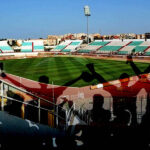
(21, 19)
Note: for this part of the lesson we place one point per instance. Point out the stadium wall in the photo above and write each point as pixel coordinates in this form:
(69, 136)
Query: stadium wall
(5, 56)
(82, 97)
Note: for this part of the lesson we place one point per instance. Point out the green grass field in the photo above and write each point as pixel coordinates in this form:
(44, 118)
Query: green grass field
(63, 69)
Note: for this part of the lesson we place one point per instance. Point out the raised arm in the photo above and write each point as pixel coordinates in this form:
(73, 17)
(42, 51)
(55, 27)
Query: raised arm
(95, 74)
(132, 64)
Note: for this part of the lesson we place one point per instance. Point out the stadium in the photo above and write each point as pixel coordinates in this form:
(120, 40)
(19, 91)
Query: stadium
(69, 72)
(80, 94)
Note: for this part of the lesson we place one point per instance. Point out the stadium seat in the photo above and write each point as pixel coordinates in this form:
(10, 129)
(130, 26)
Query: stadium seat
(135, 43)
(98, 43)
(140, 48)
(26, 46)
(75, 43)
(110, 48)
(84, 51)
(38, 46)
(61, 46)
(145, 43)
(72, 46)
(147, 53)
(123, 52)
(4, 47)
(118, 43)
(93, 47)
(126, 50)
(66, 50)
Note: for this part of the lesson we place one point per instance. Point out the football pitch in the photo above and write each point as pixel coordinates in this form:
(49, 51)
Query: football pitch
(61, 70)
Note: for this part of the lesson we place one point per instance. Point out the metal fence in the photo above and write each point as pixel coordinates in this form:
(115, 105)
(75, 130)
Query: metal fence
(57, 116)
(54, 112)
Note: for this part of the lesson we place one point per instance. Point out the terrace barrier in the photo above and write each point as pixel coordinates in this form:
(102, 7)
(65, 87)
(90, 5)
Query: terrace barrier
(55, 119)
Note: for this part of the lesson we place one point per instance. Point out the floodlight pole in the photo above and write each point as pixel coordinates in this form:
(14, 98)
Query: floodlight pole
(87, 30)
(87, 14)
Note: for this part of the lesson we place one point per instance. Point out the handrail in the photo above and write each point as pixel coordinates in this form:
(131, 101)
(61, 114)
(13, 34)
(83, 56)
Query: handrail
(56, 107)
(54, 112)
(33, 106)
(31, 94)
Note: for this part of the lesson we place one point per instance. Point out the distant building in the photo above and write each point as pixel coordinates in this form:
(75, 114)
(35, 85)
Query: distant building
(52, 40)
(69, 36)
(147, 35)
(96, 36)
(139, 36)
(80, 36)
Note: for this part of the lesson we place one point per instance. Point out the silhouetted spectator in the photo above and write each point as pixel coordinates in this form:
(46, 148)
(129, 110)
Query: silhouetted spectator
(99, 130)
(99, 114)
(62, 107)
(1, 67)
(15, 105)
(145, 125)
(31, 112)
(124, 95)
(125, 102)
(44, 79)
(123, 135)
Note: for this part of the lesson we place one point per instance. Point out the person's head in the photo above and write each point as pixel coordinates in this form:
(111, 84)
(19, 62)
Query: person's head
(90, 67)
(1, 65)
(124, 76)
(123, 116)
(44, 79)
